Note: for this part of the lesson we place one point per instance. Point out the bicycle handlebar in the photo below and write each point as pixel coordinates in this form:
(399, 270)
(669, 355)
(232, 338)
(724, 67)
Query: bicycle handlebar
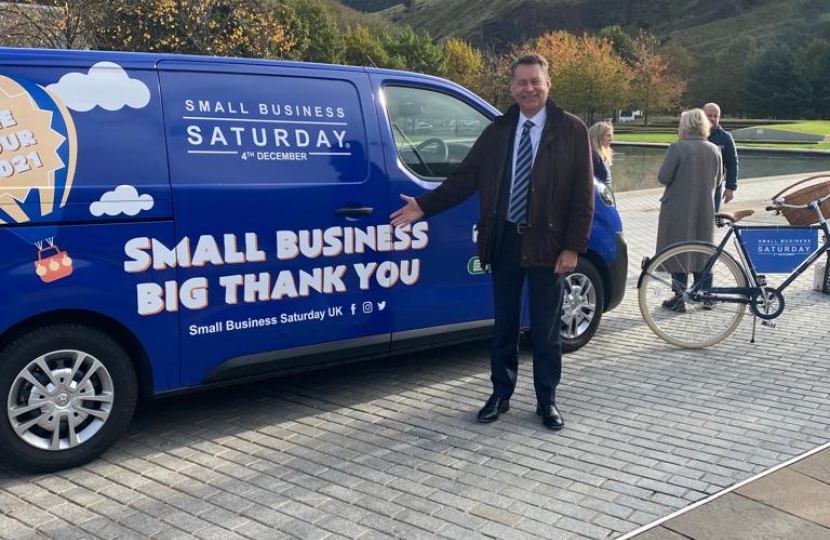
(780, 203)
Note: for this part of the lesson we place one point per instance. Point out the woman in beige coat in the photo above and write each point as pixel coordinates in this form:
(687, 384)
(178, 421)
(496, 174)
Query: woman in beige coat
(691, 171)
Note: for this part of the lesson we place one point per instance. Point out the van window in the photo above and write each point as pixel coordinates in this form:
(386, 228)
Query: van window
(433, 131)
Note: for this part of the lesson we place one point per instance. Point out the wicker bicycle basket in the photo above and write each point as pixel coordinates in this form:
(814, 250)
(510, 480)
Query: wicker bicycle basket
(817, 187)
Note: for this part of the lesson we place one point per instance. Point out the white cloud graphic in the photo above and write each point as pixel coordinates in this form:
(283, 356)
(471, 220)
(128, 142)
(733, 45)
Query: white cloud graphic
(106, 85)
(123, 200)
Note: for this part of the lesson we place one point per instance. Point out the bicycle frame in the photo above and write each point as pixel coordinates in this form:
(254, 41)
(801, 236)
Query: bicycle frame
(744, 295)
(727, 282)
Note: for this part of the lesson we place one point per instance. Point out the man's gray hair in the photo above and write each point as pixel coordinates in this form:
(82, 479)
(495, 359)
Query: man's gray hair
(530, 59)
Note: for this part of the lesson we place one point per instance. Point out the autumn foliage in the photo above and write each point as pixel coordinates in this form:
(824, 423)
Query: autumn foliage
(587, 75)
(654, 87)
(592, 76)
(213, 27)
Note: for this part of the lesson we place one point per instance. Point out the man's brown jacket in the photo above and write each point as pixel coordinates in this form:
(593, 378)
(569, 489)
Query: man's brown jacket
(561, 200)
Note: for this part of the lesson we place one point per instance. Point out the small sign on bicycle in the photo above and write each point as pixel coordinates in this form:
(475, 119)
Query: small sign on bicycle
(779, 250)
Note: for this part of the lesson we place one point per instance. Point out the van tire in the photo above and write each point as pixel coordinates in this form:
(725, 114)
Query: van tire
(58, 425)
(582, 305)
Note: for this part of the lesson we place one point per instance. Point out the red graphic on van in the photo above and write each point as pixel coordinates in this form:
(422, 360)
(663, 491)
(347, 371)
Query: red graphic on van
(55, 266)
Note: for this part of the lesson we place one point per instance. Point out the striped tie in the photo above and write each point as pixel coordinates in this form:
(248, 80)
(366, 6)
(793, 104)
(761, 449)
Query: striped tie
(524, 165)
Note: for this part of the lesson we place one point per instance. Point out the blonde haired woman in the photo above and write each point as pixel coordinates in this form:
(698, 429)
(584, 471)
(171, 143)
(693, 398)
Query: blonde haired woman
(600, 136)
(690, 171)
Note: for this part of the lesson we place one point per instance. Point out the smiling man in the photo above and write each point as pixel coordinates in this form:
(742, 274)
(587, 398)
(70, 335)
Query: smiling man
(532, 171)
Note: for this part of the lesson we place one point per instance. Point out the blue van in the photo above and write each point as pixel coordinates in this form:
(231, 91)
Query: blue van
(170, 223)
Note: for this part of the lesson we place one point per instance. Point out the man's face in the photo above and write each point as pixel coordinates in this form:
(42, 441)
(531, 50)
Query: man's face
(530, 87)
(713, 114)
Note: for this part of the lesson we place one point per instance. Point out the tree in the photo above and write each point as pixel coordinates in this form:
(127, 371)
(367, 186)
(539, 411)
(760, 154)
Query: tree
(318, 37)
(622, 43)
(587, 76)
(362, 48)
(214, 27)
(776, 85)
(464, 63)
(654, 86)
(817, 68)
(55, 24)
(494, 78)
(416, 51)
(718, 77)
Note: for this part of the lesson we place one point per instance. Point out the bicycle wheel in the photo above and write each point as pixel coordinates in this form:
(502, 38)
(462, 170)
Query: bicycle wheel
(679, 320)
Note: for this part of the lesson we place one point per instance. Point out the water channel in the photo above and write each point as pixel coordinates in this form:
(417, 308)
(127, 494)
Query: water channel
(636, 165)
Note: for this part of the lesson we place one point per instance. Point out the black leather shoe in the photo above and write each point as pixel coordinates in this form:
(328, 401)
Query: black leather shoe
(676, 304)
(551, 418)
(492, 409)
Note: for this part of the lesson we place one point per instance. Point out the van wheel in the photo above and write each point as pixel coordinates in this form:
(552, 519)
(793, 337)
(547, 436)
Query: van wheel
(70, 392)
(582, 305)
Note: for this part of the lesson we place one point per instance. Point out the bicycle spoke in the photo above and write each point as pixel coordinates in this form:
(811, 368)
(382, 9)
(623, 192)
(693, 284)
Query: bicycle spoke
(688, 315)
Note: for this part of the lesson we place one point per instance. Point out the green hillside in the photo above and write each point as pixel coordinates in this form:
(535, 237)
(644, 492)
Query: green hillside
(792, 21)
(370, 6)
(347, 16)
(699, 25)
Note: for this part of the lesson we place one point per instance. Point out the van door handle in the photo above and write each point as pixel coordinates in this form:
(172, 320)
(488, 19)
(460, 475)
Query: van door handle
(354, 212)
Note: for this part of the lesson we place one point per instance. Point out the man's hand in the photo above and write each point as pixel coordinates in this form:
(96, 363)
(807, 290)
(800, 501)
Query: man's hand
(566, 261)
(408, 213)
(727, 195)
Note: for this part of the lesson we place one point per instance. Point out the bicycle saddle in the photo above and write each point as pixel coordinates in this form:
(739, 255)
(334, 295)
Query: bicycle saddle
(721, 218)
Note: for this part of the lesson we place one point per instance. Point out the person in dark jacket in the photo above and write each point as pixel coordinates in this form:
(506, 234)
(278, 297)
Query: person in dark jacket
(532, 171)
(723, 140)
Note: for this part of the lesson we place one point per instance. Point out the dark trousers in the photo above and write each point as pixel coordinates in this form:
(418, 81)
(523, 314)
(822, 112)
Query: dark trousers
(545, 294)
(718, 197)
(680, 281)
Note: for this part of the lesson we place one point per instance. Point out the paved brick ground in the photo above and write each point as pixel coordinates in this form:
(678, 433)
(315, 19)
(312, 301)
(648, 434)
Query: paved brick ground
(390, 449)
(791, 501)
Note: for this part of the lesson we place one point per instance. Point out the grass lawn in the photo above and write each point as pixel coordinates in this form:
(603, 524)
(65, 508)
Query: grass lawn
(814, 127)
(646, 137)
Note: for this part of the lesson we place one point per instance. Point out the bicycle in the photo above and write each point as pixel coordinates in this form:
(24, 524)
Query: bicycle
(711, 308)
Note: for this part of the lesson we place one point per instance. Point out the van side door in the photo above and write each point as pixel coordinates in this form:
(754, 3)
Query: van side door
(281, 212)
(428, 128)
